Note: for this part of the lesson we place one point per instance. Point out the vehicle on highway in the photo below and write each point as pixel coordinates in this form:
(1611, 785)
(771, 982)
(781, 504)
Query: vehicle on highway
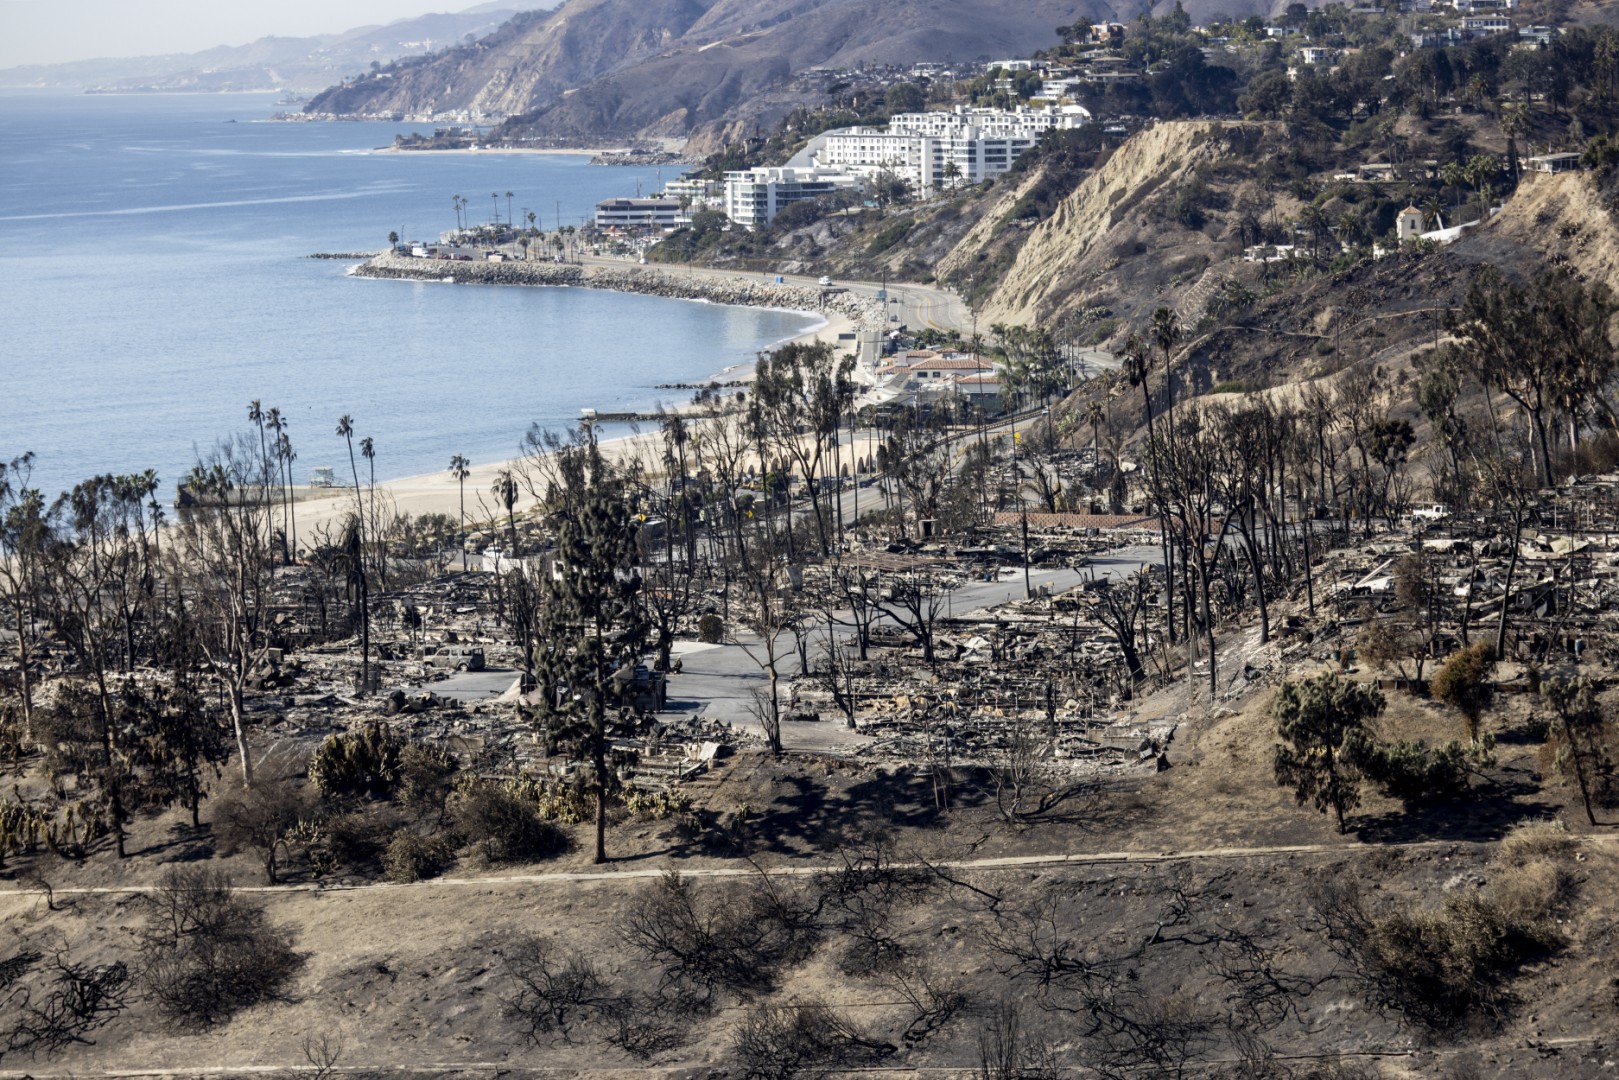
(825, 280)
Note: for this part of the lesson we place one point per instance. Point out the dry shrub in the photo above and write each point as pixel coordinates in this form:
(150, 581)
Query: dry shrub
(504, 825)
(1535, 840)
(416, 858)
(1439, 967)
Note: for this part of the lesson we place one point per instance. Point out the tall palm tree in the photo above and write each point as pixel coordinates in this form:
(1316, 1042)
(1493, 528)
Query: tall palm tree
(495, 197)
(345, 429)
(1094, 414)
(459, 471)
(455, 201)
(368, 451)
(274, 423)
(255, 416)
(1166, 333)
(285, 452)
(508, 208)
(505, 489)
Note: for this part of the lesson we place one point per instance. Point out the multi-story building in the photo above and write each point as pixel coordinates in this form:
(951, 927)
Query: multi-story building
(753, 197)
(1019, 123)
(636, 213)
(941, 149)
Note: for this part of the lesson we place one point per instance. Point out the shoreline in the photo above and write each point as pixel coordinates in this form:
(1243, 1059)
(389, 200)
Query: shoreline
(554, 150)
(840, 313)
(426, 493)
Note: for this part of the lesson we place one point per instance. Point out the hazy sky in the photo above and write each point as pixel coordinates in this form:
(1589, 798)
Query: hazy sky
(52, 31)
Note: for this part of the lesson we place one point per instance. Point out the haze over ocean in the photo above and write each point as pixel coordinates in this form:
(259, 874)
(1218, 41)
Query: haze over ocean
(152, 255)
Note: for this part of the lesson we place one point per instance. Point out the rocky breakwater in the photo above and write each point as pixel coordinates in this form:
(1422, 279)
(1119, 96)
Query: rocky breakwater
(741, 290)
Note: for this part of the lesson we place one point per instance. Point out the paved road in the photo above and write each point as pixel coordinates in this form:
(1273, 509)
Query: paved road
(917, 306)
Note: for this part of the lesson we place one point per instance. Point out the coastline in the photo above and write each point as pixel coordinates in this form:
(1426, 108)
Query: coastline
(839, 313)
(486, 150)
(842, 313)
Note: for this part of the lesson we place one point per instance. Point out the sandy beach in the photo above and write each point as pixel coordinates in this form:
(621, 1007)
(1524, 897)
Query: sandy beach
(439, 493)
(492, 150)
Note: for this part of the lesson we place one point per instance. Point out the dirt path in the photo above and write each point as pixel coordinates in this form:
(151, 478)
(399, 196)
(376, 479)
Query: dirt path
(641, 873)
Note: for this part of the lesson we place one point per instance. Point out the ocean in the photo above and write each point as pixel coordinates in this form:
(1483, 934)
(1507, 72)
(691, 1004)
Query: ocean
(154, 270)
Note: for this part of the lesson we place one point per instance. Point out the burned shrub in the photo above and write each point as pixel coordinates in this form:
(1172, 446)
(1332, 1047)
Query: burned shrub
(860, 897)
(206, 953)
(262, 818)
(806, 1038)
(426, 777)
(60, 1009)
(552, 989)
(736, 945)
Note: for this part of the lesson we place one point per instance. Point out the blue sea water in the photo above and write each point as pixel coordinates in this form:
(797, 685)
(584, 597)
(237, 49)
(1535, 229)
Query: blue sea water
(154, 280)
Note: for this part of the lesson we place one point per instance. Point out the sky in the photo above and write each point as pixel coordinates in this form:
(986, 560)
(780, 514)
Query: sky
(55, 31)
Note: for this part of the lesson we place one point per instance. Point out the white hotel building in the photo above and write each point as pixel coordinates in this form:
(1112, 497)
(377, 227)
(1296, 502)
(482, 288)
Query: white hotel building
(923, 147)
(930, 150)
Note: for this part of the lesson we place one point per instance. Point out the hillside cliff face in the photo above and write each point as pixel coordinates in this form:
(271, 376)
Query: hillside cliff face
(1151, 226)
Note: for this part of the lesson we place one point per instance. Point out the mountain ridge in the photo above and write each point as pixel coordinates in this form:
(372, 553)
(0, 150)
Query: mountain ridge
(684, 69)
(273, 62)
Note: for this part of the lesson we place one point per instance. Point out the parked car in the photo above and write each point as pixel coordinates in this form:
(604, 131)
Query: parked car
(1433, 512)
(455, 658)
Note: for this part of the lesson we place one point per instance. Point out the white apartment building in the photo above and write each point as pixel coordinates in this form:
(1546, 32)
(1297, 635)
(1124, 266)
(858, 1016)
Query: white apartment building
(753, 197)
(940, 149)
(1019, 123)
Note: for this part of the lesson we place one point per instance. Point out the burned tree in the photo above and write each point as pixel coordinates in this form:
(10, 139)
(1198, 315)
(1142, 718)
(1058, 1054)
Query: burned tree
(221, 564)
(590, 630)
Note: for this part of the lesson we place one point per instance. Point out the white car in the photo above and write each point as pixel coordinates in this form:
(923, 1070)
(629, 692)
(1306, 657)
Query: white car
(825, 280)
(1435, 512)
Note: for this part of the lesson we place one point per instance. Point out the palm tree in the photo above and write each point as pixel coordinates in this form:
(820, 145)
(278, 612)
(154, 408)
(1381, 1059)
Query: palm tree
(255, 415)
(1431, 208)
(459, 472)
(508, 208)
(285, 452)
(368, 450)
(455, 201)
(273, 421)
(1137, 373)
(1453, 175)
(1166, 332)
(1313, 220)
(495, 196)
(1094, 413)
(345, 429)
(505, 489)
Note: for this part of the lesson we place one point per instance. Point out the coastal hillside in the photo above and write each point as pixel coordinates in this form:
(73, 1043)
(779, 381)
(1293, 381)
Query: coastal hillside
(1138, 232)
(613, 69)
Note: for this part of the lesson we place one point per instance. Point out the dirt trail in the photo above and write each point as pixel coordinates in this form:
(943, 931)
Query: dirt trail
(1008, 862)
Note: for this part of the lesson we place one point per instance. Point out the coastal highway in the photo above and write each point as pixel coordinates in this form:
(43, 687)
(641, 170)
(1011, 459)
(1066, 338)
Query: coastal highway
(919, 307)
